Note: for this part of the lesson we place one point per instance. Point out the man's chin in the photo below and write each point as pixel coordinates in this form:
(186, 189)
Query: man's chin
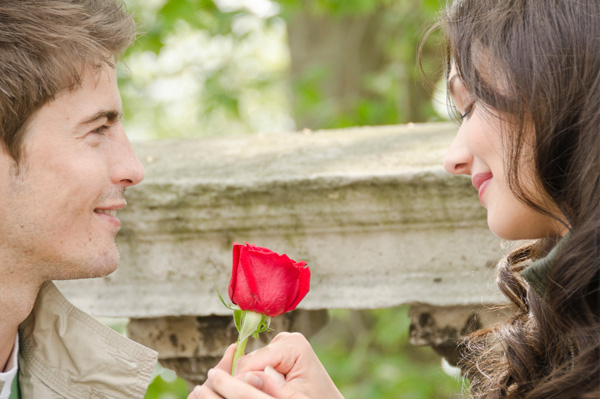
(92, 268)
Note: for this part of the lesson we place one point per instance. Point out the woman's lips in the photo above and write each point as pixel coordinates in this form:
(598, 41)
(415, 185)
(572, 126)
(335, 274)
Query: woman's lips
(480, 182)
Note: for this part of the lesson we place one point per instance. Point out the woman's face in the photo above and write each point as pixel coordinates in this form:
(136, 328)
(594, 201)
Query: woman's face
(479, 151)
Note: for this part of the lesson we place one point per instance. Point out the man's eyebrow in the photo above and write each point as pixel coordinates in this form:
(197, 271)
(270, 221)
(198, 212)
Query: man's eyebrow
(111, 115)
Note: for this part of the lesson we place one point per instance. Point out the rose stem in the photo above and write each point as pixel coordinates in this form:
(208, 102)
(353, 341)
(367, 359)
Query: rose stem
(239, 352)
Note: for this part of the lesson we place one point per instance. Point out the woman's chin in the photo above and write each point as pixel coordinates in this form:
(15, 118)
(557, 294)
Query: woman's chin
(518, 227)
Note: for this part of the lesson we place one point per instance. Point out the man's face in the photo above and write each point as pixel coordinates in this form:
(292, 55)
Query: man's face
(58, 205)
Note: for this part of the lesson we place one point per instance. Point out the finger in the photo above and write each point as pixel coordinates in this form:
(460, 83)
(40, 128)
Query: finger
(275, 377)
(282, 354)
(224, 364)
(194, 394)
(269, 381)
(202, 392)
(282, 336)
(252, 379)
(256, 379)
(233, 388)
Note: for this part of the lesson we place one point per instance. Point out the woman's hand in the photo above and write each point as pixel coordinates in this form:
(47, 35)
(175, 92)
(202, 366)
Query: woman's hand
(221, 385)
(287, 368)
(290, 355)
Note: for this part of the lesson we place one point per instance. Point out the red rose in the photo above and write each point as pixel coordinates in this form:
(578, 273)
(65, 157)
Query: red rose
(265, 282)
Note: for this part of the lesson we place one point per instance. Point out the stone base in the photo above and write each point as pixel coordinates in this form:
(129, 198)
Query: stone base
(443, 328)
(192, 345)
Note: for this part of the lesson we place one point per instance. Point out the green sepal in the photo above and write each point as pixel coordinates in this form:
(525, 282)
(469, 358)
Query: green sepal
(250, 325)
(237, 318)
(237, 312)
(223, 301)
(251, 322)
(263, 326)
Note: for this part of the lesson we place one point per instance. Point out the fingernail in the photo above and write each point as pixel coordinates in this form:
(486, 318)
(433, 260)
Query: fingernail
(276, 376)
(254, 380)
(210, 373)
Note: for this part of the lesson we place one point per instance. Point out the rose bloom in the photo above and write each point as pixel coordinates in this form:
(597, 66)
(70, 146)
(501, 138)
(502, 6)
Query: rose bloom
(265, 282)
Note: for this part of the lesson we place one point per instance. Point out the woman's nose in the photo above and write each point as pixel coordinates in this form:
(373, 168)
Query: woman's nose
(458, 159)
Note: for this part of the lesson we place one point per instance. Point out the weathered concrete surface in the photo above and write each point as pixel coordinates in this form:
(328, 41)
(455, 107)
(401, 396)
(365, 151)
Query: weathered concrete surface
(443, 328)
(192, 345)
(371, 210)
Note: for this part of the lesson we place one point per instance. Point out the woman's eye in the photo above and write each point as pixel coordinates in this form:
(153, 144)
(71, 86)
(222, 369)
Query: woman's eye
(467, 113)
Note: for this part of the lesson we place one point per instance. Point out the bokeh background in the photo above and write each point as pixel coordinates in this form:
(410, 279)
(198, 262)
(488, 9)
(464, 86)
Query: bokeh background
(205, 68)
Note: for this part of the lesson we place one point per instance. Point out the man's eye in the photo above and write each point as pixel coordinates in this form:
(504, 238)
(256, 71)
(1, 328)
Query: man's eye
(100, 130)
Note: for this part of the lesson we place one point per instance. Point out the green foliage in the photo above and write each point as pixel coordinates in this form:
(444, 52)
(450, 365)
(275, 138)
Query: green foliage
(390, 88)
(167, 386)
(331, 7)
(201, 68)
(198, 69)
(197, 14)
(368, 356)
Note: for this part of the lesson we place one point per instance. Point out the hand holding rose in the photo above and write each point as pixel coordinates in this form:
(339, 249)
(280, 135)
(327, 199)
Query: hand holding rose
(265, 284)
(287, 368)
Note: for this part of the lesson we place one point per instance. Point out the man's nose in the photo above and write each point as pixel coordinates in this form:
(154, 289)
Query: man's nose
(127, 169)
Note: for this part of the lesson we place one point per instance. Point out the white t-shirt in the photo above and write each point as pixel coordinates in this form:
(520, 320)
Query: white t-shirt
(10, 372)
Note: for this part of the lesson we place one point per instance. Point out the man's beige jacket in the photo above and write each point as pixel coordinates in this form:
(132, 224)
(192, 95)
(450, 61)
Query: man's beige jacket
(66, 353)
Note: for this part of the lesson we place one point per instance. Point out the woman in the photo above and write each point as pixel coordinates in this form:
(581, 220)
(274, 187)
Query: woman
(524, 75)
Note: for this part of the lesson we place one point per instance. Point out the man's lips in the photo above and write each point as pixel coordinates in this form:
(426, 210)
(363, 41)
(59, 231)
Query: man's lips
(110, 212)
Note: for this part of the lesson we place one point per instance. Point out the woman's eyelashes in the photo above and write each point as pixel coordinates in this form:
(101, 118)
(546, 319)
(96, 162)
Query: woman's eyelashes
(467, 113)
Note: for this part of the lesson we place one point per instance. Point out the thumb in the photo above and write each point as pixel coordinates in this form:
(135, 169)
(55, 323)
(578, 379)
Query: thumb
(274, 378)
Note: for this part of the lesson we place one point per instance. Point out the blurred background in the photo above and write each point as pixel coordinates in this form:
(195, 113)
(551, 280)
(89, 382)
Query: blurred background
(206, 68)
(214, 67)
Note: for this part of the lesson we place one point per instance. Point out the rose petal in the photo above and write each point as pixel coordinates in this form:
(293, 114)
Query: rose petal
(248, 269)
(233, 281)
(266, 282)
(303, 284)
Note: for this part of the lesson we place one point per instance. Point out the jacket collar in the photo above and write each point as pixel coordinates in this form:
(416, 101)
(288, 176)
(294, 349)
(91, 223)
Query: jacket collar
(77, 356)
(537, 274)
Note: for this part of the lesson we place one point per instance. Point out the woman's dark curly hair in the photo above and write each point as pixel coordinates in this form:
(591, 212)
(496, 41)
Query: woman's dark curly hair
(537, 62)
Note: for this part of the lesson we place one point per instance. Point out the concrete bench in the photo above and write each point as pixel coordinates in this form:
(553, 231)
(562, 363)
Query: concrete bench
(370, 209)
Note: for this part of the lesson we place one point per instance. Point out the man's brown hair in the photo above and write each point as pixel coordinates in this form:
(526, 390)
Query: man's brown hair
(45, 47)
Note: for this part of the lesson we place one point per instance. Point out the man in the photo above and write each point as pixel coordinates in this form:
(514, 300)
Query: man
(65, 163)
